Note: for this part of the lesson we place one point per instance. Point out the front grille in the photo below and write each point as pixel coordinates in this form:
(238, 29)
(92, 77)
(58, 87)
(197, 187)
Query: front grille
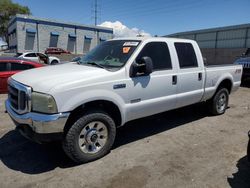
(19, 96)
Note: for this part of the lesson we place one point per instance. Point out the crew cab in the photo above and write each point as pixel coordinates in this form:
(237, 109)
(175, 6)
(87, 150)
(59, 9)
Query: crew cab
(10, 66)
(82, 103)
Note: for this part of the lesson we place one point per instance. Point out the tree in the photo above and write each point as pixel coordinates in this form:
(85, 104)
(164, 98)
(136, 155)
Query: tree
(8, 9)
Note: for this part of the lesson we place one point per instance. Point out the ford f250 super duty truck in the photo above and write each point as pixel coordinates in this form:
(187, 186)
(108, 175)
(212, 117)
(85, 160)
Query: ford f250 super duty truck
(83, 103)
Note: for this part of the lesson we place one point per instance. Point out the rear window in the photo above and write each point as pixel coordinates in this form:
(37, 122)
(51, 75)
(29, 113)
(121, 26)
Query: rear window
(186, 55)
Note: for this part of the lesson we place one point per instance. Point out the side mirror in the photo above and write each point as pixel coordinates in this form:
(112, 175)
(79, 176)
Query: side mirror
(142, 67)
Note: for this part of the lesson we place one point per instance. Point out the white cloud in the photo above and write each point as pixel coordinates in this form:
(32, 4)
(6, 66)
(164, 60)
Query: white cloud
(121, 30)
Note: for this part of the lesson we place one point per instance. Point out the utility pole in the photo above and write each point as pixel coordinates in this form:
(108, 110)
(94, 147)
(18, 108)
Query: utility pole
(95, 11)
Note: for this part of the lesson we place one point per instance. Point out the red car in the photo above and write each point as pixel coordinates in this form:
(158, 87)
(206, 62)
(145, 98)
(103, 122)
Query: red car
(12, 65)
(54, 50)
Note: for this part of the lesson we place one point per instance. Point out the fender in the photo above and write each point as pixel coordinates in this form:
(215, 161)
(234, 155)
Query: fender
(70, 103)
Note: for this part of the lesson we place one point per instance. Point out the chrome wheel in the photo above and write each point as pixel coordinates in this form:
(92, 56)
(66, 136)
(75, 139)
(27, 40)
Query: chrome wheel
(93, 137)
(221, 102)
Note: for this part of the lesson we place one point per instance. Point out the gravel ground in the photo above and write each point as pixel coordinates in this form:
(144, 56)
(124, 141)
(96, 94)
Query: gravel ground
(181, 148)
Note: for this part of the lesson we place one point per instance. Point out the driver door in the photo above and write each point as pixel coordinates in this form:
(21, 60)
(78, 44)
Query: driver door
(156, 92)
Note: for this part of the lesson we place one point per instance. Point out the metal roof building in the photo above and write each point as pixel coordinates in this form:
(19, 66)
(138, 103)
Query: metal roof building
(237, 36)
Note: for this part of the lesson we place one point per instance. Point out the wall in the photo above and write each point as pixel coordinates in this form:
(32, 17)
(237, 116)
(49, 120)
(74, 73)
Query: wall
(222, 56)
(231, 37)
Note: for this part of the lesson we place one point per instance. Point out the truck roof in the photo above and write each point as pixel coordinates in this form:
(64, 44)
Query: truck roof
(154, 39)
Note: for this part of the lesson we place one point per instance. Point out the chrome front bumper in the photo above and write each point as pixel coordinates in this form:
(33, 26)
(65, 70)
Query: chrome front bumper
(39, 123)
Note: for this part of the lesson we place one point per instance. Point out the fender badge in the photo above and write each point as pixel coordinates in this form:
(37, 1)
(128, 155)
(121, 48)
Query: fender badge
(119, 86)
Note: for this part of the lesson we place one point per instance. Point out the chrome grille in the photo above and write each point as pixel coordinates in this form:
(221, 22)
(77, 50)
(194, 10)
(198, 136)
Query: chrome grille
(19, 96)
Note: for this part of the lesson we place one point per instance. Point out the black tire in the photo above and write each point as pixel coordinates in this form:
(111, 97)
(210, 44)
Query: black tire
(54, 62)
(215, 101)
(72, 138)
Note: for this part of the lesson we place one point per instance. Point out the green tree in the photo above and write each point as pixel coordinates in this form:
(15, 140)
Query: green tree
(7, 10)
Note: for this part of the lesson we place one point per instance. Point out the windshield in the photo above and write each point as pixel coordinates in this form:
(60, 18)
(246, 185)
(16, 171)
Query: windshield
(110, 54)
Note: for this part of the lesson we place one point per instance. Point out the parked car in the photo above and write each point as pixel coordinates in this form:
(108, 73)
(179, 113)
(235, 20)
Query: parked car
(83, 103)
(3, 45)
(10, 66)
(39, 57)
(54, 50)
(245, 62)
(3, 48)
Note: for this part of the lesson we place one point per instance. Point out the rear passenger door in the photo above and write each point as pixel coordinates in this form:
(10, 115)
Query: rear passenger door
(190, 75)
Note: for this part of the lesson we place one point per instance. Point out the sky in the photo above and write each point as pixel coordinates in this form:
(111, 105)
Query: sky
(158, 17)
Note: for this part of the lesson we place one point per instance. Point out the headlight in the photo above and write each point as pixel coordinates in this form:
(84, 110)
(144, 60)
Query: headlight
(43, 103)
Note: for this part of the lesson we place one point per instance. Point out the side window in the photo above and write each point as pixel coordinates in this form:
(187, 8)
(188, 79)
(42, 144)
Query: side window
(3, 67)
(186, 55)
(19, 66)
(159, 53)
(30, 55)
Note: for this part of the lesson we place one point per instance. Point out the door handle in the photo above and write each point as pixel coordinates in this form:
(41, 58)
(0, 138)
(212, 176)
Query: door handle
(200, 76)
(174, 79)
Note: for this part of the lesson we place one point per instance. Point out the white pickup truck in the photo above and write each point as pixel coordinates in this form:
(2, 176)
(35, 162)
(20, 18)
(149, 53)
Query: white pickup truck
(83, 103)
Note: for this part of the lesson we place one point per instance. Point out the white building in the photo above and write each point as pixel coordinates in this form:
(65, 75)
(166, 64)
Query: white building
(27, 33)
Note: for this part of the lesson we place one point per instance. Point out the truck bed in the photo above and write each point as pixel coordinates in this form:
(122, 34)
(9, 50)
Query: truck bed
(216, 73)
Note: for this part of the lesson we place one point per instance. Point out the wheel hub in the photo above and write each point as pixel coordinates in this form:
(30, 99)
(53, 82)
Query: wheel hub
(221, 104)
(93, 137)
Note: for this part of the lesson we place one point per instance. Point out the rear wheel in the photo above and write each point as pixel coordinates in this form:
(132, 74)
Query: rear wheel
(54, 62)
(219, 102)
(90, 137)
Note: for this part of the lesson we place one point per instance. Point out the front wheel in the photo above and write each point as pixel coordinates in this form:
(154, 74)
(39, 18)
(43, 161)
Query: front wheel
(90, 137)
(219, 102)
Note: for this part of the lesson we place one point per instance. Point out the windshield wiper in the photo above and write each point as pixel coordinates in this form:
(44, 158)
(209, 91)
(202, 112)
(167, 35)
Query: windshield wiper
(95, 64)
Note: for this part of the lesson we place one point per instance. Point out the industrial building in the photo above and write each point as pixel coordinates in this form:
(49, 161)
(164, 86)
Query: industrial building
(27, 33)
(220, 45)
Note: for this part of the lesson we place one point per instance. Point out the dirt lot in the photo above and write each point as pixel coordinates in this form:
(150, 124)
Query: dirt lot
(182, 148)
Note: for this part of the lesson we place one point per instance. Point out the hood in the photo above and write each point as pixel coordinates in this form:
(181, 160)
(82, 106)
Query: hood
(45, 78)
